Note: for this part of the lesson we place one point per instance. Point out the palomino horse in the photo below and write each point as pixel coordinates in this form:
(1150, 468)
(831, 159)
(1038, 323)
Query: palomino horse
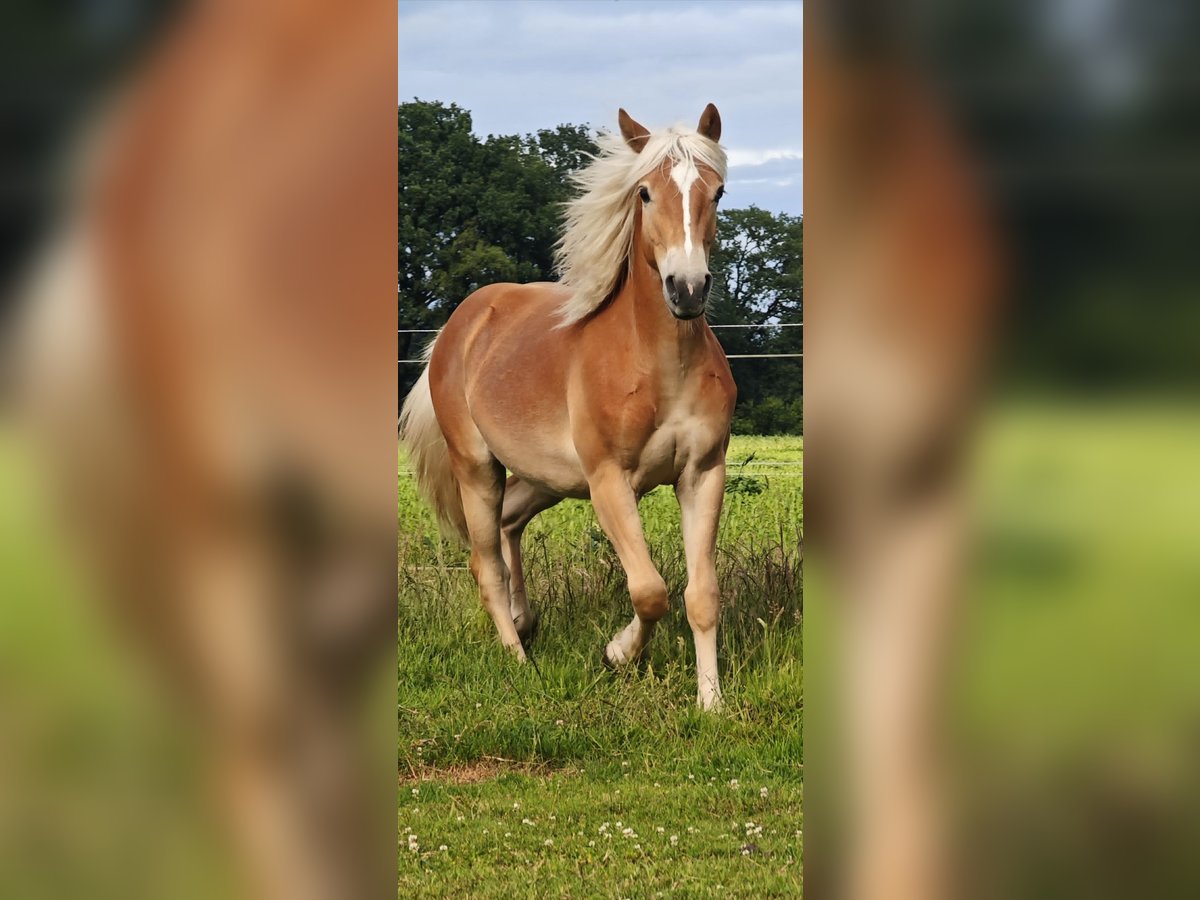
(210, 356)
(904, 269)
(604, 385)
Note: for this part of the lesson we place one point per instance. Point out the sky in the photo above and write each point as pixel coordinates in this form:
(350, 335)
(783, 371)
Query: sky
(521, 65)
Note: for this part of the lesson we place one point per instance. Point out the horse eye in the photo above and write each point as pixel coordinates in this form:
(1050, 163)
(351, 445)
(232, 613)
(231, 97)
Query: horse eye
(644, 193)
(720, 194)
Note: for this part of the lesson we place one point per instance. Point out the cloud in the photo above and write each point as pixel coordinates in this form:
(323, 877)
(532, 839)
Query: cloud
(520, 66)
(749, 157)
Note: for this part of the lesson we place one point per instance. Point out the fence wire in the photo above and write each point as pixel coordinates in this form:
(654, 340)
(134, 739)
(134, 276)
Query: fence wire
(714, 327)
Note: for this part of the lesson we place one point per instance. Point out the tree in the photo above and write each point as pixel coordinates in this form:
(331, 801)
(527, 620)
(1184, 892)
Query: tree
(473, 212)
(758, 273)
(565, 149)
(437, 171)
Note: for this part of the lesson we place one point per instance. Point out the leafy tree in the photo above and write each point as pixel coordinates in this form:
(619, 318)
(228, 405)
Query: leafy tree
(758, 273)
(437, 174)
(565, 149)
(473, 212)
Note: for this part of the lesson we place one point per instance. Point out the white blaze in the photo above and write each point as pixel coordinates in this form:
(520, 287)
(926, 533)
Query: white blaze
(684, 174)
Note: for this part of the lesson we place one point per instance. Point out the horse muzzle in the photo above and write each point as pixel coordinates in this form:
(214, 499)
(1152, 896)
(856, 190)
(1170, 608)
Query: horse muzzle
(686, 297)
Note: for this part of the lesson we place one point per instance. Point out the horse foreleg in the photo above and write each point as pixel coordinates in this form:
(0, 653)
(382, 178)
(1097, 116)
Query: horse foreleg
(616, 508)
(521, 503)
(700, 493)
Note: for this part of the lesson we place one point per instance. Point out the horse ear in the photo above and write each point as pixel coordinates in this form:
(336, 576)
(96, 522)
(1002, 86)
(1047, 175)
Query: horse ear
(710, 123)
(635, 133)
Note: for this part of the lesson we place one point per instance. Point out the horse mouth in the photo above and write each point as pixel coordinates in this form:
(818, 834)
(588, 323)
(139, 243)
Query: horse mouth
(686, 315)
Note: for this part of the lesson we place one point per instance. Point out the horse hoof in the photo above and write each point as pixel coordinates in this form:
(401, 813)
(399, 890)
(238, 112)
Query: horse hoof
(527, 634)
(608, 663)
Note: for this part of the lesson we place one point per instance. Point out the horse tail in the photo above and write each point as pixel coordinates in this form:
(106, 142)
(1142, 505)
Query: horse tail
(429, 457)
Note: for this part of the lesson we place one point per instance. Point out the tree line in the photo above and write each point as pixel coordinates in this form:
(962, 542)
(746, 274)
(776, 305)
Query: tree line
(475, 211)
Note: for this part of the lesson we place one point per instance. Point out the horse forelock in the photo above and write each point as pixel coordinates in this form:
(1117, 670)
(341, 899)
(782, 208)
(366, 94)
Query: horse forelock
(592, 256)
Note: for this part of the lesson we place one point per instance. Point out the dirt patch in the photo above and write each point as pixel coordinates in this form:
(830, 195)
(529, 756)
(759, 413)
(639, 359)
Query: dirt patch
(480, 770)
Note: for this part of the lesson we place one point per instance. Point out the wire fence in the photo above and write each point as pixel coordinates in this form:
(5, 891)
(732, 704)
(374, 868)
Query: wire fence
(714, 327)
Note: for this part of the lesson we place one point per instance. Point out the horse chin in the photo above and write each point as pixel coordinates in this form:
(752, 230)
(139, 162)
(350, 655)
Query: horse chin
(685, 315)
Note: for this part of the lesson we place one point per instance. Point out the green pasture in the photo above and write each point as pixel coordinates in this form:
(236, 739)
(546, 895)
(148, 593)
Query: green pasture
(563, 779)
(1076, 684)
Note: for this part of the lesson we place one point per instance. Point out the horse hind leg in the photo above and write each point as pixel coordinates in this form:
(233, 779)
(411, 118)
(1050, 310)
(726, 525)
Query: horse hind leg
(481, 486)
(521, 503)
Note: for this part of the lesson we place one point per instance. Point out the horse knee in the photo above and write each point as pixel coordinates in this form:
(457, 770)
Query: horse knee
(649, 598)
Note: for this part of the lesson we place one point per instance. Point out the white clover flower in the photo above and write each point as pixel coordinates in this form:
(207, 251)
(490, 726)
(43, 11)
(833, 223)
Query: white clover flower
(674, 839)
(528, 822)
(416, 792)
(762, 792)
(660, 829)
(548, 842)
(460, 818)
(733, 783)
(443, 848)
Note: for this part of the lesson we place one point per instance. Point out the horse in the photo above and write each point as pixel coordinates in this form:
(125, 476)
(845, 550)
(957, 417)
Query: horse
(601, 386)
(905, 266)
(209, 372)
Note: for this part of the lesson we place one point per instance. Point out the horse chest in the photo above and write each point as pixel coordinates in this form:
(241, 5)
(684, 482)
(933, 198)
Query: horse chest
(679, 436)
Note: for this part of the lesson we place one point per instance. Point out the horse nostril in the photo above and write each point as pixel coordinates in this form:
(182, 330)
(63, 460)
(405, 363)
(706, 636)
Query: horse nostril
(707, 285)
(669, 281)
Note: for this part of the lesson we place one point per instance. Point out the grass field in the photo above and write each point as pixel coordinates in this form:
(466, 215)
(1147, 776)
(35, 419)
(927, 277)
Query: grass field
(1077, 678)
(567, 780)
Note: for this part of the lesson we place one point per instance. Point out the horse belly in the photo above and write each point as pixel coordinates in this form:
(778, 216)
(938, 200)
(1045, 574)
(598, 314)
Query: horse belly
(547, 461)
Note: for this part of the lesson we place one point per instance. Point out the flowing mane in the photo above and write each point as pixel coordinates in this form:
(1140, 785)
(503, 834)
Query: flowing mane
(592, 255)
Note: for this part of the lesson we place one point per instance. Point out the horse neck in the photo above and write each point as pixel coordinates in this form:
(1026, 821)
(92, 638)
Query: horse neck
(640, 309)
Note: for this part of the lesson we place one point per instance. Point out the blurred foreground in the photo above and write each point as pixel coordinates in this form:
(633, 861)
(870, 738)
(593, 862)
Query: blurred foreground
(1002, 420)
(198, 460)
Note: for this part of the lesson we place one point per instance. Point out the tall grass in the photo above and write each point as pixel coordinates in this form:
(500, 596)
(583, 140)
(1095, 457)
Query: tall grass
(562, 778)
(461, 698)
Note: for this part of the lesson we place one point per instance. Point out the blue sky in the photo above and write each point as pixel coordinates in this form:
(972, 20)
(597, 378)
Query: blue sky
(520, 65)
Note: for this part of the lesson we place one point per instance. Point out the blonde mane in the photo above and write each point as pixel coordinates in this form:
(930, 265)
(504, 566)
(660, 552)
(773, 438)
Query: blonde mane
(592, 256)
